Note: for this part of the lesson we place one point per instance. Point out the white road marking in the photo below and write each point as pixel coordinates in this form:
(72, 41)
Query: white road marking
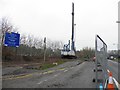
(108, 70)
(40, 82)
(65, 70)
(113, 61)
(45, 72)
(105, 84)
(72, 67)
(117, 84)
(45, 80)
(56, 75)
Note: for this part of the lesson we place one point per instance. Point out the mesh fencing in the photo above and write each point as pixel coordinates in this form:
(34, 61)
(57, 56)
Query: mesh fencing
(101, 61)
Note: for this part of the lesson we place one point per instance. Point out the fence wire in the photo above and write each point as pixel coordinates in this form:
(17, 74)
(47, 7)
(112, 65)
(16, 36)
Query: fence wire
(101, 61)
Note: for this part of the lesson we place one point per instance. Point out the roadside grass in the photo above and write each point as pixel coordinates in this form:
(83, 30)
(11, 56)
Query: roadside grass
(47, 65)
(60, 61)
(50, 65)
(86, 59)
(117, 60)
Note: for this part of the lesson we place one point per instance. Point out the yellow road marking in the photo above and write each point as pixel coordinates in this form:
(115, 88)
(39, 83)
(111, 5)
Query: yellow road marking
(62, 69)
(11, 77)
(51, 71)
(23, 76)
(18, 77)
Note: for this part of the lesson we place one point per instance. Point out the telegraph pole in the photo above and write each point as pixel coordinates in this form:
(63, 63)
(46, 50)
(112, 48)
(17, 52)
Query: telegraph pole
(72, 45)
(118, 30)
(44, 48)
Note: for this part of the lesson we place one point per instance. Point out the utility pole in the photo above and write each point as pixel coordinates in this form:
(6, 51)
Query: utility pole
(72, 45)
(118, 29)
(44, 48)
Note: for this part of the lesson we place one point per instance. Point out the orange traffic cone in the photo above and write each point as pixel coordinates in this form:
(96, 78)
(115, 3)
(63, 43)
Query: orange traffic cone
(110, 85)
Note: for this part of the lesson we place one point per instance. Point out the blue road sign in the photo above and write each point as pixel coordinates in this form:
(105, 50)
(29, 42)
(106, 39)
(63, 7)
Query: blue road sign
(12, 39)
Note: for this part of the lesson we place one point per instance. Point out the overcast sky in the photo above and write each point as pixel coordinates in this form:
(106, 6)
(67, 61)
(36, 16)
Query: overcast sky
(53, 19)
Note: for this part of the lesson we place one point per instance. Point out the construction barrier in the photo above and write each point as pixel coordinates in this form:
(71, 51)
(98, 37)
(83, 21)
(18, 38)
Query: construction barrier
(110, 85)
(103, 77)
(100, 62)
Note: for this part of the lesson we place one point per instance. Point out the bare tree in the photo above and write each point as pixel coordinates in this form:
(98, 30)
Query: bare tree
(38, 43)
(6, 26)
(0, 43)
(87, 53)
(54, 44)
(0, 33)
(23, 39)
(30, 40)
(61, 44)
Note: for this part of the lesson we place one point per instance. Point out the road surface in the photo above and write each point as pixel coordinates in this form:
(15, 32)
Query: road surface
(113, 67)
(69, 75)
(76, 76)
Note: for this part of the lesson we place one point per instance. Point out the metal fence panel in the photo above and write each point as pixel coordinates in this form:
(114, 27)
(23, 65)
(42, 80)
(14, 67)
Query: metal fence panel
(101, 58)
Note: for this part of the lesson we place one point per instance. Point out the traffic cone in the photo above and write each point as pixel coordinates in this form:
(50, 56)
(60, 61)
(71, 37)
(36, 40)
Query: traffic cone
(110, 85)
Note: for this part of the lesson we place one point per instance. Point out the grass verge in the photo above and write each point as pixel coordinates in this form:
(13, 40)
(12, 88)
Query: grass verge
(47, 65)
(50, 65)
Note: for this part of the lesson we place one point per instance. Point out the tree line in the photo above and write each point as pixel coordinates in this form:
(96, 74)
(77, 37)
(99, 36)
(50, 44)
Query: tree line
(86, 53)
(31, 46)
